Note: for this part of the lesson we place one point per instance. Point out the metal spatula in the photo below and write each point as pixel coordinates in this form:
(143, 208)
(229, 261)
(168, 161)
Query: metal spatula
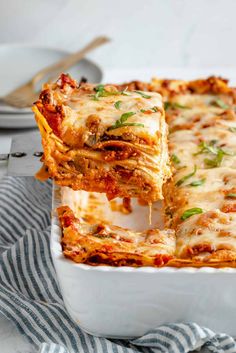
(24, 157)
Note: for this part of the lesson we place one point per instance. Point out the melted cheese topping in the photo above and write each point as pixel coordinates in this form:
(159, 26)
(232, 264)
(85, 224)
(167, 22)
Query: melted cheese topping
(83, 106)
(201, 198)
(103, 139)
(100, 243)
(214, 229)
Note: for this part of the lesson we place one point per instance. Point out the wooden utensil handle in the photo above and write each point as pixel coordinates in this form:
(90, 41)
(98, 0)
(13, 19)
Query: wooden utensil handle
(69, 60)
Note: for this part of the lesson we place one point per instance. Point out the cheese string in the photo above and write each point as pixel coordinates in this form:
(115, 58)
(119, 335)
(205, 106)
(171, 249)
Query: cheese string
(150, 213)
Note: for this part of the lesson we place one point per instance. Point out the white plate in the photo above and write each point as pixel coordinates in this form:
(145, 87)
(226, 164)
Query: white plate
(18, 63)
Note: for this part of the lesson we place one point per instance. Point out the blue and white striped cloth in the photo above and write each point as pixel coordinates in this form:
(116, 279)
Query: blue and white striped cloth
(30, 296)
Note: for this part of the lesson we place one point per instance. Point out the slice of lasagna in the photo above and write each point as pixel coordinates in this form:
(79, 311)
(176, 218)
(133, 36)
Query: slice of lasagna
(99, 138)
(101, 243)
(200, 200)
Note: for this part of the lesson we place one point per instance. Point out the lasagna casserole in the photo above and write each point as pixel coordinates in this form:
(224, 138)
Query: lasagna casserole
(102, 139)
(101, 243)
(113, 140)
(200, 200)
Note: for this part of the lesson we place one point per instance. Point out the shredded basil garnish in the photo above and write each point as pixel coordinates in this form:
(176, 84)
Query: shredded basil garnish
(232, 129)
(154, 109)
(220, 104)
(102, 92)
(175, 159)
(98, 89)
(186, 177)
(144, 95)
(215, 162)
(124, 93)
(207, 147)
(197, 182)
(122, 121)
(117, 105)
(231, 196)
(191, 212)
(173, 105)
(213, 149)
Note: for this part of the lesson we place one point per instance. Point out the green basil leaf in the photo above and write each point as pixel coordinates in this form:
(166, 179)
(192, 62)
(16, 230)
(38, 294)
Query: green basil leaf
(191, 212)
(125, 116)
(232, 129)
(102, 92)
(180, 106)
(95, 97)
(207, 147)
(124, 93)
(144, 95)
(215, 162)
(220, 104)
(99, 88)
(122, 121)
(173, 105)
(175, 159)
(167, 105)
(154, 109)
(186, 177)
(231, 196)
(213, 149)
(117, 105)
(124, 124)
(197, 182)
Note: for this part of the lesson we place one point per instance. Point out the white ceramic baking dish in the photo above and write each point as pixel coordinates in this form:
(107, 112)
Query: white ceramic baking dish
(126, 302)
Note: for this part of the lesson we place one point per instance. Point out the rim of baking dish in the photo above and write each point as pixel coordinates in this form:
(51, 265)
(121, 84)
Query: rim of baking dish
(56, 252)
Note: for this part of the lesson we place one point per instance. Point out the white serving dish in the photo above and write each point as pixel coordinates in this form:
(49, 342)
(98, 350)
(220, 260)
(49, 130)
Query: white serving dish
(127, 302)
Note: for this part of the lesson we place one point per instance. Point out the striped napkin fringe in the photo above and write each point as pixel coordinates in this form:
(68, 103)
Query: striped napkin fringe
(30, 296)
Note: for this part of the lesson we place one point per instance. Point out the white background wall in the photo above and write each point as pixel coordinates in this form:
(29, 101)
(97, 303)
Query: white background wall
(145, 32)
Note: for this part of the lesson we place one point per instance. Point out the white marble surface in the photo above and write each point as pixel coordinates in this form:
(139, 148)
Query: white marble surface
(11, 341)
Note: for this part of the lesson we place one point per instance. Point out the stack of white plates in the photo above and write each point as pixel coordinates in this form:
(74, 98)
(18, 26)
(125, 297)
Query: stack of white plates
(19, 63)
